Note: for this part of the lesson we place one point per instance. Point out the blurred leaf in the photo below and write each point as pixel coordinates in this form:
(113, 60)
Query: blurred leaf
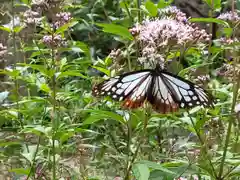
(152, 8)
(210, 20)
(215, 4)
(141, 172)
(154, 165)
(84, 47)
(40, 68)
(97, 115)
(10, 72)
(116, 29)
(105, 71)
(5, 29)
(2, 143)
(65, 27)
(238, 4)
(18, 29)
(20, 171)
(164, 3)
(70, 73)
(228, 31)
(44, 87)
(30, 155)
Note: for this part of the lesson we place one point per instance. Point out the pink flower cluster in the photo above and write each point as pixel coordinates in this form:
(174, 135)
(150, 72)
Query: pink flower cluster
(62, 18)
(229, 16)
(174, 13)
(31, 17)
(168, 32)
(53, 41)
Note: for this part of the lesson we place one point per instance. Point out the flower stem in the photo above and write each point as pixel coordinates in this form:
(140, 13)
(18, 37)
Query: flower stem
(203, 145)
(235, 94)
(141, 141)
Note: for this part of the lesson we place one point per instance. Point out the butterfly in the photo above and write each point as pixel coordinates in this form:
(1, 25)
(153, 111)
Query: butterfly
(165, 91)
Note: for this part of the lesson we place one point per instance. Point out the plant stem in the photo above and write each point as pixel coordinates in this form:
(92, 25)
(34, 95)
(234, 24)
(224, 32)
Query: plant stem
(141, 141)
(138, 3)
(235, 94)
(16, 85)
(231, 118)
(53, 115)
(203, 145)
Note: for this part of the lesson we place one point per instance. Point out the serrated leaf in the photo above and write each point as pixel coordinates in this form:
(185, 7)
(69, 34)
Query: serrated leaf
(152, 8)
(116, 29)
(141, 172)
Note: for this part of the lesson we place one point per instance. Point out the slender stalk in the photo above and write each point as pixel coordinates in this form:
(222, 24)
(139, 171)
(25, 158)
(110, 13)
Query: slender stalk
(235, 94)
(138, 2)
(231, 118)
(53, 114)
(203, 145)
(34, 158)
(141, 141)
(16, 85)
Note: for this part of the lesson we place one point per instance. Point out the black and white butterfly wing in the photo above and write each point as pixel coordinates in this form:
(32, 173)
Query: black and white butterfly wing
(165, 91)
(161, 98)
(132, 88)
(185, 92)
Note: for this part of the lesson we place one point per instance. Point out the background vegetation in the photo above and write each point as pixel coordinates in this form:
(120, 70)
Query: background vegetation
(51, 54)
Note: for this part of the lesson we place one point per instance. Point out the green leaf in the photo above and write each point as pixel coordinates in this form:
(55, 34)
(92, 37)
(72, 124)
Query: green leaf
(152, 8)
(210, 20)
(116, 29)
(20, 171)
(81, 47)
(105, 71)
(5, 29)
(44, 87)
(215, 4)
(238, 5)
(2, 143)
(164, 3)
(70, 73)
(41, 68)
(97, 115)
(156, 166)
(65, 27)
(141, 172)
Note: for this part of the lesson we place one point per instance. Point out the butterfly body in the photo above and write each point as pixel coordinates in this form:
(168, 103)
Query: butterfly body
(165, 91)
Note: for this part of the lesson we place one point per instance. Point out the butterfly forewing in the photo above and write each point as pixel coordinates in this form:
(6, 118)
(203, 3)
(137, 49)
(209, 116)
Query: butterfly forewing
(129, 87)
